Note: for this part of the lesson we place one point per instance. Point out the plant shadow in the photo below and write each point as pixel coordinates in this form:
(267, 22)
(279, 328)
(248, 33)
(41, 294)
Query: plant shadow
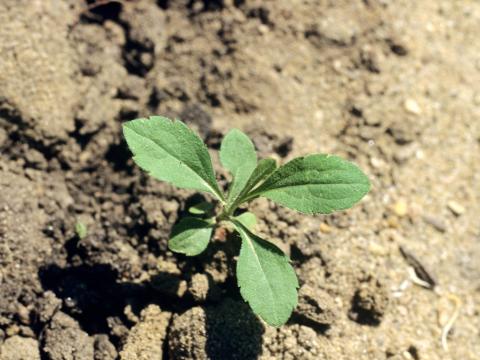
(233, 331)
(97, 300)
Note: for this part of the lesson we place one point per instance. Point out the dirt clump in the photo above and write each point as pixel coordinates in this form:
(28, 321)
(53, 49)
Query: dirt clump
(20, 348)
(380, 83)
(145, 340)
(216, 333)
(65, 339)
(369, 303)
(315, 308)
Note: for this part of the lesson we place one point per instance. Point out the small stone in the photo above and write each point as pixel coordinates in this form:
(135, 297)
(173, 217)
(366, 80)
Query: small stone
(263, 29)
(337, 65)
(182, 288)
(23, 314)
(12, 330)
(377, 163)
(404, 153)
(319, 114)
(400, 208)
(377, 249)
(412, 107)
(392, 222)
(436, 222)
(456, 208)
(84, 156)
(325, 228)
(27, 331)
(371, 58)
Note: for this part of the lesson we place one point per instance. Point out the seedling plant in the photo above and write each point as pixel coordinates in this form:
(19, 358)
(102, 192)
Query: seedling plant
(313, 184)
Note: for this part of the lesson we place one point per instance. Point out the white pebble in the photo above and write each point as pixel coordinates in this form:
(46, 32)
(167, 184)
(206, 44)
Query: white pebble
(412, 107)
(456, 208)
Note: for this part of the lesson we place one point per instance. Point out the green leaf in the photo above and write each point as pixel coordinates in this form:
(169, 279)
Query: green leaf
(264, 168)
(201, 208)
(170, 151)
(315, 184)
(190, 236)
(266, 279)
(81, 230)
(248, 219)
(238, 156)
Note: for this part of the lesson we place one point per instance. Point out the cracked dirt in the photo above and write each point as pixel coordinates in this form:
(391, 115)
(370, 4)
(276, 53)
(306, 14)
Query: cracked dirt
(391, 85)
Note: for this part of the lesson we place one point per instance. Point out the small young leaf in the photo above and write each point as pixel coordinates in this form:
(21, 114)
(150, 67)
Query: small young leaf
(171, 152)
(201, 208)
(264, 169)
(266, 279)
(190, 236)
(248, 219)
(238, 156)
(315, 184)
(81, 230)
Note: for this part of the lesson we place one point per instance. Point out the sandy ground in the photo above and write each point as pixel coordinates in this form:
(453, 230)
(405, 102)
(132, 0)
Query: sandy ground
(391, 85)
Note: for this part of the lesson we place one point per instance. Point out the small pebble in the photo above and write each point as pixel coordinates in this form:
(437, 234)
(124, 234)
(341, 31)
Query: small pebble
(263, 29)
(412, 107)
(182, 288)
(393, 222)
(377, 249)
(456, 208)
(325, 228)
(27, 331)
(12, 330)
(319, 115)
(337, 65)
(404, 153)
(23, 314)
(377, 163)
(400, 208)
(436, 222)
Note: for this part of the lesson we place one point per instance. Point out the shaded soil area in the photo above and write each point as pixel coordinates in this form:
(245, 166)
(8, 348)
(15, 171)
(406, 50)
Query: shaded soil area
(391, 85)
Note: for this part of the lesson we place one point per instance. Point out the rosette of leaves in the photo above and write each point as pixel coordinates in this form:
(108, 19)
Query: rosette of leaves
(313, 184)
